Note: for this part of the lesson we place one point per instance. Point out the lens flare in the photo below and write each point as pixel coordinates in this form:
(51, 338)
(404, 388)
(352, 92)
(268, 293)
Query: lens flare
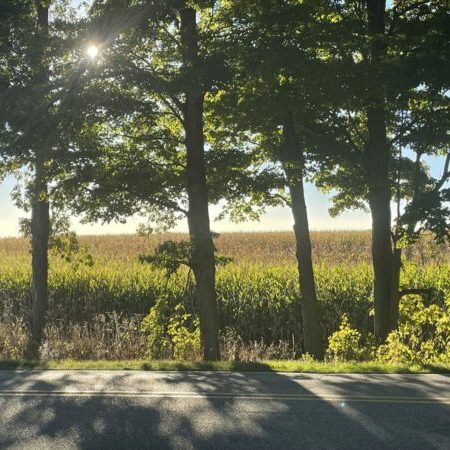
(92, 51)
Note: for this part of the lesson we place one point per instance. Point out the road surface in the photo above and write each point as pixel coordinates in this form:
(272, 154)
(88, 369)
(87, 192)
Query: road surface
(216, 410)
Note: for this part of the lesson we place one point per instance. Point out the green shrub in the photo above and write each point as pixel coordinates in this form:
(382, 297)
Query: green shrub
(154, 326)
(171, 332)
(423, 336)
(184, 332)
(346, 343)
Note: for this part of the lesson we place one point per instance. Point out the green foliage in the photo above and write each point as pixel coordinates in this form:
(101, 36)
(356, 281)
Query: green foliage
(68, 247)
(62, 240)
(423, 336)
(346, 344)
(171, 332)
(171, 255)
(65, 243)
(39, 72)
(184, 333)
(155, 327)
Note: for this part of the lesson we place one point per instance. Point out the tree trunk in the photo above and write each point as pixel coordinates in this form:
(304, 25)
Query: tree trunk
(382, 261)
(40, 220)
(293, 164)
(198, 213)
(395, 296)
(378, 157)
(40, 230)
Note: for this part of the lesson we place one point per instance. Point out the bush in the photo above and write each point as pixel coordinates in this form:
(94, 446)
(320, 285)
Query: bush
(346, 344)
(171, 332)
(154, 326)
(184, 333)
(423, 336)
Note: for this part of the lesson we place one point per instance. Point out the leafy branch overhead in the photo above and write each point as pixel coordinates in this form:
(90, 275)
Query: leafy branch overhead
(171, 255)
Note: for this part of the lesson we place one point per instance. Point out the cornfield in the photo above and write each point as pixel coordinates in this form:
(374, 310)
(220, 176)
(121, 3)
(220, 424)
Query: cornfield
(272, 248)
(258, 294)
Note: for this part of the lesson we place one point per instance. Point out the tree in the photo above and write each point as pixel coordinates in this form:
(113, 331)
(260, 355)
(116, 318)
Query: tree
(388, 83)
(35, 130)
(421, 200)
(25, 94)
(377, 163)
(276, 101)
(198, 213)
(145, 105)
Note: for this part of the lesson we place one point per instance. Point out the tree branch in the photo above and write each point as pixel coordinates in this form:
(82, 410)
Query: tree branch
(396, 13)
(354, 126)
(282, 198)
(401, 134)
(445, 174)
(423, 292)
(176, 112)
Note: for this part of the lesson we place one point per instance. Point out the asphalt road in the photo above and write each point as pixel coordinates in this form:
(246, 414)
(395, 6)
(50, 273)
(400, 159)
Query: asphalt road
(213, 410)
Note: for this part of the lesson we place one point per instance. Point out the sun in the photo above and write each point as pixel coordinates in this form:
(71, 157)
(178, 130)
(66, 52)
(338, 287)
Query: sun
(92, 51)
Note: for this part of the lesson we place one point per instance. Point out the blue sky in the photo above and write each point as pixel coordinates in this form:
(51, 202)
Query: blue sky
(274, 219)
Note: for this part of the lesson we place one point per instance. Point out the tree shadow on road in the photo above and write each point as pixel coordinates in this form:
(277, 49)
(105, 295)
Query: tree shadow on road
(219, 417)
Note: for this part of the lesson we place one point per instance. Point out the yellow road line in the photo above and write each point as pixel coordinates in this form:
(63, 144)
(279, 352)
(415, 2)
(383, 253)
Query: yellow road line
(224, 395)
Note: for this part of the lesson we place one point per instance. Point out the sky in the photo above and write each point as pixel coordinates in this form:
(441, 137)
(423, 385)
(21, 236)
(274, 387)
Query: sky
(273, 220)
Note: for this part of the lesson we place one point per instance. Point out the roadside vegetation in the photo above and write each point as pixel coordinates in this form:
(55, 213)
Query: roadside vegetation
(100, 311)
(225, 366)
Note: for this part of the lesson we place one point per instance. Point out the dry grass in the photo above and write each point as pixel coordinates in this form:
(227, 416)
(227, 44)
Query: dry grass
(110, 337)
(13, 339)
(106, 336)
(274, 248)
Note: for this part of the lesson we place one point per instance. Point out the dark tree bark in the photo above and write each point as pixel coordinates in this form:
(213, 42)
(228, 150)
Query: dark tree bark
(198, 213)
(40, 222)
(395, 296)
(40, 230)
(292, 159)
(378, 157)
